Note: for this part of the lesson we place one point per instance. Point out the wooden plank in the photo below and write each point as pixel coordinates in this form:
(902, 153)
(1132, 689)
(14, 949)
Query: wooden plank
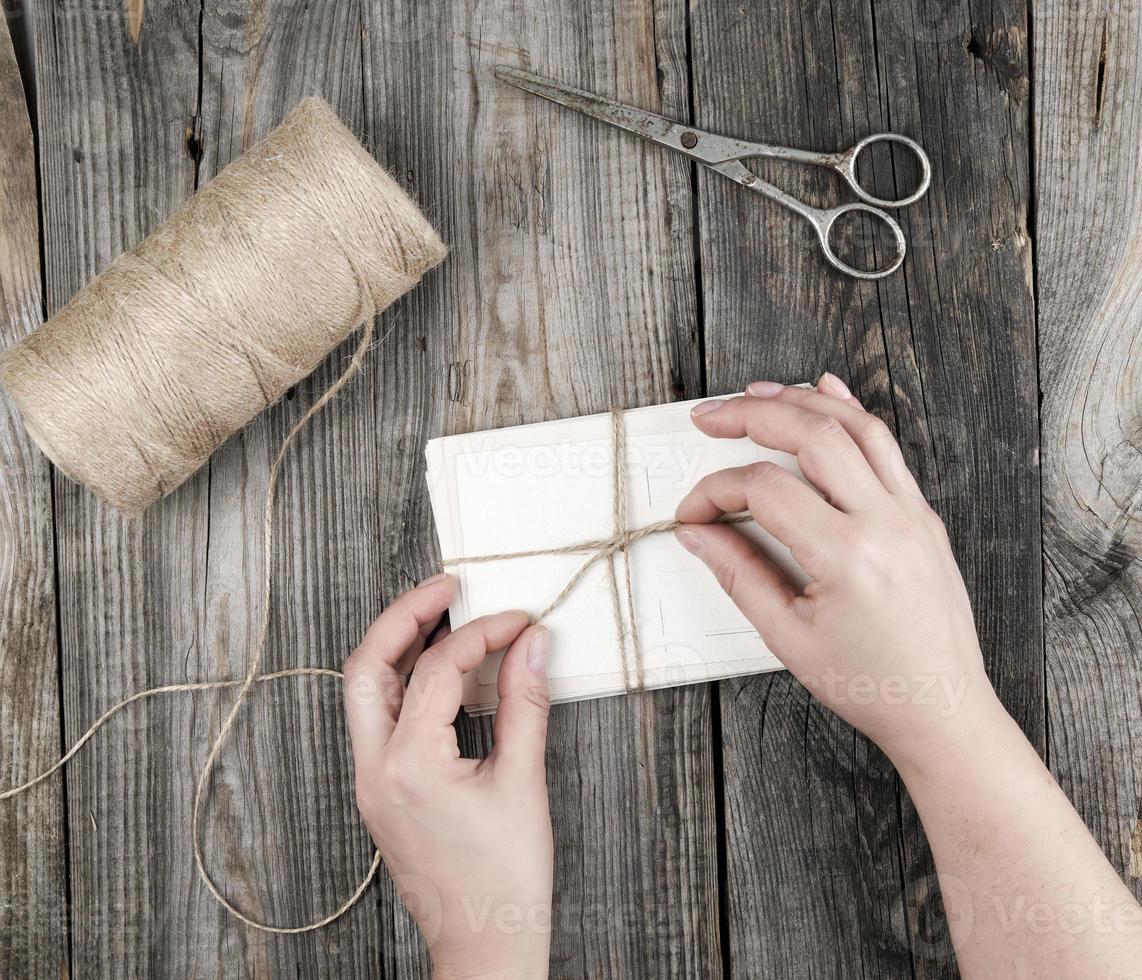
(113, 115)
(1088, 112)
(189, 594)
(828, 873)
(569, 289)
(33, 911)
(290, 841)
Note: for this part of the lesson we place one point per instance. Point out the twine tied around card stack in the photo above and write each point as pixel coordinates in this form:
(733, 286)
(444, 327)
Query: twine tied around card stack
(179, 343)
(605, 549)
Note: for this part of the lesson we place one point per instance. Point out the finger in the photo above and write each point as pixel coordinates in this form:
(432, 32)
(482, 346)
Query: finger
(830, 384)
(825, 452)
(374, 686)
(436, 686)
(380, 636)
(757, 586)
(874, 439)
(781, 503)
(520, 728)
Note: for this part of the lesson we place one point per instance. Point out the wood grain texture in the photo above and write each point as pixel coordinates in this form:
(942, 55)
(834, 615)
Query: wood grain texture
(569, 289)
(112, 120)
(573, 285)
(828, 872)
(633, 785)
(282, 831)
(283, 827)
(33, 887)
(1088, 112)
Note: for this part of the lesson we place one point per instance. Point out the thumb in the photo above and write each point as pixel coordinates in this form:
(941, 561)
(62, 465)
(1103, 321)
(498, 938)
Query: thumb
(520, 729)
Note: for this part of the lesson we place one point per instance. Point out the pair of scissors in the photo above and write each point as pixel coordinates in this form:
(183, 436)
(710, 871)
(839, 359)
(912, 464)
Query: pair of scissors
(724, 154)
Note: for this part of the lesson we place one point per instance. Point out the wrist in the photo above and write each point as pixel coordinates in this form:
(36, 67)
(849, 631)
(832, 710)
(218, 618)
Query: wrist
(509, 968)
(928, 750)
(474, 960)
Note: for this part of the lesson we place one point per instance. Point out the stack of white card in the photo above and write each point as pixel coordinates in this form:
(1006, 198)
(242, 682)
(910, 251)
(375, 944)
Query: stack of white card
(550, 485)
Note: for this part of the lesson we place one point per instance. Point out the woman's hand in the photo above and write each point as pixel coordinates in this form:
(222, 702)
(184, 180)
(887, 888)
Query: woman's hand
(467, 842)
(883, 634)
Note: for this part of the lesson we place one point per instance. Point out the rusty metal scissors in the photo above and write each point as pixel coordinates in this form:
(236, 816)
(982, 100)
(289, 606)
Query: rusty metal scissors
(724, 154)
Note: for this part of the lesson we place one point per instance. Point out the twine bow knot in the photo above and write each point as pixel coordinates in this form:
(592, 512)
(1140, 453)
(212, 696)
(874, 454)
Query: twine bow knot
(605, 549)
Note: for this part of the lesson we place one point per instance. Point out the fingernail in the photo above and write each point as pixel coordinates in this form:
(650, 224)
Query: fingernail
(539, 650)
(690, 539)
(435, 578)
(835, 385)
(706, 407)
(764, 389)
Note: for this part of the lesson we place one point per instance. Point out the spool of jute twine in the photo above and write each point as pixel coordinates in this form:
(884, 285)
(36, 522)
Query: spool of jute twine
(182, 341)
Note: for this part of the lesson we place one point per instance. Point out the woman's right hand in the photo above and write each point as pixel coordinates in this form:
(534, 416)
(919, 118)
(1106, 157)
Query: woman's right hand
(883, 634)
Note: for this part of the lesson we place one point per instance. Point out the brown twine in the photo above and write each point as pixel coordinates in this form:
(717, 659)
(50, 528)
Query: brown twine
(178, 344)
(605, 549)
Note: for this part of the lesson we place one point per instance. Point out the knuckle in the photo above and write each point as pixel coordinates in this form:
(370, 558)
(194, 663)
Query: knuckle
(431, 661)
(480, 629)
(824, 430)
(536, 695)
(400, 775)
(899, 523)
(932, 520)
(864, 547)
(358, 682)
(875, 430)
(353, 667)
(393, 768)
(927, 512)
(762, 477)
(726, 575)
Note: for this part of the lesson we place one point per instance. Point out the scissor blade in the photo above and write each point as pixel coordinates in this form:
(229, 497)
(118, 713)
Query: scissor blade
(648, 125)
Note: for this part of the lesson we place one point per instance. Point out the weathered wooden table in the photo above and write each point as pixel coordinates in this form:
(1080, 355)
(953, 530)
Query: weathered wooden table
(737, 829)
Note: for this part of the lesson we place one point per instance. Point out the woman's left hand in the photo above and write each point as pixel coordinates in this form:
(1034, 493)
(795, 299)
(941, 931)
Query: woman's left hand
(467, 842)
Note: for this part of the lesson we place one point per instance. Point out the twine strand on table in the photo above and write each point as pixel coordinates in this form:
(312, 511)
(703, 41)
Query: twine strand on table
(600, 549)
(252, 675)
(180, 342)
(246, 683)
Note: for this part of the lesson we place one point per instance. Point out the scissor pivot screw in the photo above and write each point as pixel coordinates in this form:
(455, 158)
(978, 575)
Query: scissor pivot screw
(689, 140)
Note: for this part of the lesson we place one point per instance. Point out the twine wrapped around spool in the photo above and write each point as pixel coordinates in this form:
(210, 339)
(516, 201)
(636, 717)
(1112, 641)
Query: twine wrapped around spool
(179, 343)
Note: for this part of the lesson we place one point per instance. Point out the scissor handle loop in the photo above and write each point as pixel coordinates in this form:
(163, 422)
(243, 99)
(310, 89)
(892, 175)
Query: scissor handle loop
(847, 168)
(824, 221)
